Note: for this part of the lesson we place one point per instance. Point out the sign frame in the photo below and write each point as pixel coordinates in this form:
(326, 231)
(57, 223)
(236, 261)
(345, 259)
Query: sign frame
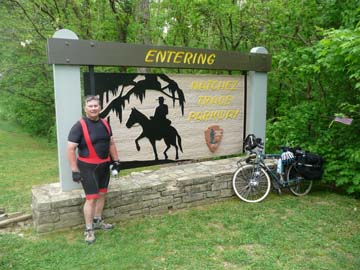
(67, 53)
(95, 53)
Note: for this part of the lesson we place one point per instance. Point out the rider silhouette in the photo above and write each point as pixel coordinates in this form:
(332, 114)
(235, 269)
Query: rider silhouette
(160, 113)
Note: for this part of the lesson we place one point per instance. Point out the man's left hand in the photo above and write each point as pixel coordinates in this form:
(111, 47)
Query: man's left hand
(116, 165)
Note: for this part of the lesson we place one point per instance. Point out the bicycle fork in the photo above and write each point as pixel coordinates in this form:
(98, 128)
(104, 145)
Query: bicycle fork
(254, 180)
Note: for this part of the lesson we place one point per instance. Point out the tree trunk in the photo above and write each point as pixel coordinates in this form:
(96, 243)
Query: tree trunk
(144, 32)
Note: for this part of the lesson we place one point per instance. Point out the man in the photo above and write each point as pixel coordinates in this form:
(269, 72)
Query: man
(92, 136)
(161, 112)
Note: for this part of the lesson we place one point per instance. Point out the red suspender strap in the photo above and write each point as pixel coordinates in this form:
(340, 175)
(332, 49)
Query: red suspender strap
(93, 158)
(106, 124)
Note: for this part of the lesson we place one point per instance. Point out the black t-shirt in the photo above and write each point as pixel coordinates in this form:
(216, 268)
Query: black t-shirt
(99, 136)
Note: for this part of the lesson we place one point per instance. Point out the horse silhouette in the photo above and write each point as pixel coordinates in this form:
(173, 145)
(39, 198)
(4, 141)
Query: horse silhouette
(154, 131)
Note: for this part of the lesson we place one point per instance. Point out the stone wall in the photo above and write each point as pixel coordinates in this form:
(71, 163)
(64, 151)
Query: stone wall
(137, 195)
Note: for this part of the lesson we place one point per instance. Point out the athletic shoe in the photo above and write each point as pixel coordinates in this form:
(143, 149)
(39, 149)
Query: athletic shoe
(101, 225)
(89, 236)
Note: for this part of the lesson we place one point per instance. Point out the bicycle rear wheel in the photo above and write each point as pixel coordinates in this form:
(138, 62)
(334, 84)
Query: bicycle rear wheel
(251, 184)
(299, 186)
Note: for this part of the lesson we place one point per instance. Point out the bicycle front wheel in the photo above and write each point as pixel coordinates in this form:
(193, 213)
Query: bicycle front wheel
(298, 185)
(251, 184)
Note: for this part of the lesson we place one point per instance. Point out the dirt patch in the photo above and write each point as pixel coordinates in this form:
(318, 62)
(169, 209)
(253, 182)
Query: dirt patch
(18, 227)
(228, 265)
(218, 226)
(253, 250)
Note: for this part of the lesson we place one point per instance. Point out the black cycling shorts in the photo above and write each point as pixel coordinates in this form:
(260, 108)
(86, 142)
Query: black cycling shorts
(95, 178)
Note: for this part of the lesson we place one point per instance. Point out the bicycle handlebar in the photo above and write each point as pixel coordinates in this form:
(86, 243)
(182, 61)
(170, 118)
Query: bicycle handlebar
(252, 142)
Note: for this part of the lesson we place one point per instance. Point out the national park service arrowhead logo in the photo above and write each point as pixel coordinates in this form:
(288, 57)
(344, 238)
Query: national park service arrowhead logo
(213, 137)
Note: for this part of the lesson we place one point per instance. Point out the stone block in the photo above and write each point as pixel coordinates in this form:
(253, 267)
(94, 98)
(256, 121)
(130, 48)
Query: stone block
(184, 181)
(71, 216)
(151, 196)
(180, 195)
(224, 176)
(219, 185)
(108, 213)
(198, 188)
(113, 193)
(168, 200)
(193, 197)
(170, 191)
(43, 228)
(40, 206)
(227, 193)
(229, 184)
(125, 199)
(121, 217)
(46, 217)
(129, 186)
(177, 201)
(77, 208)
(161, 209)
(149, 191)
(139, 212)
(65, 201)
(68, 223)
(211, 194)
(129, 207)
(151, 203)
(200, 179)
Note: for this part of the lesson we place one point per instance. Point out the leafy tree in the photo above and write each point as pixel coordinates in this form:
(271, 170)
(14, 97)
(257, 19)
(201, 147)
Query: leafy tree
(26, 80)
(314, 47)
(23, 74)
(337, 60)
(310, 84)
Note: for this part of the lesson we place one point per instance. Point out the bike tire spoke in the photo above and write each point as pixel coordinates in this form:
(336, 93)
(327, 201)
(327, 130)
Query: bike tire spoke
(251, 183)
(299, 186)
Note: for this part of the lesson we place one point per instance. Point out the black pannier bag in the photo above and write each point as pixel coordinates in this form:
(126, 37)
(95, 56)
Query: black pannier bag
(310, 166)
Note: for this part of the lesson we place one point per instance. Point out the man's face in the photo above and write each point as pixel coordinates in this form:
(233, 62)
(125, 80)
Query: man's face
(92, 109)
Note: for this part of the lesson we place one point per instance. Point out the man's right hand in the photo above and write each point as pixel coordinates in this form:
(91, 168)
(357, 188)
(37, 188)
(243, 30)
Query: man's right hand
(76, 176)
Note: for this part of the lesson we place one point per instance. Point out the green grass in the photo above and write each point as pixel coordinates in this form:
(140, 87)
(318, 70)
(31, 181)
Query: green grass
(24, 162)
(318, 231)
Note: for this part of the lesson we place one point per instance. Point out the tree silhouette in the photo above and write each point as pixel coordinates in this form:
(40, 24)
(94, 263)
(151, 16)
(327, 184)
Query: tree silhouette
(115, 84)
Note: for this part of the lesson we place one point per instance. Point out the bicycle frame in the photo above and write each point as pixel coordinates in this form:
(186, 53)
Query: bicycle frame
(260, 162)
(272, 171)
(274, 175)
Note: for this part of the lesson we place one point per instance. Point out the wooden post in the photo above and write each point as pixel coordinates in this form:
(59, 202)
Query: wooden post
(257, 99)
(68, 108)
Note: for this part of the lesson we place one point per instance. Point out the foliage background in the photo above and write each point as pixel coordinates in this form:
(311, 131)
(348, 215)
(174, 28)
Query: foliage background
(315, 47)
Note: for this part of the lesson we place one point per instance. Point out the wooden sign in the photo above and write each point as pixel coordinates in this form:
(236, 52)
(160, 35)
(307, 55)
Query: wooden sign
(158, 118)
(99, 53)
